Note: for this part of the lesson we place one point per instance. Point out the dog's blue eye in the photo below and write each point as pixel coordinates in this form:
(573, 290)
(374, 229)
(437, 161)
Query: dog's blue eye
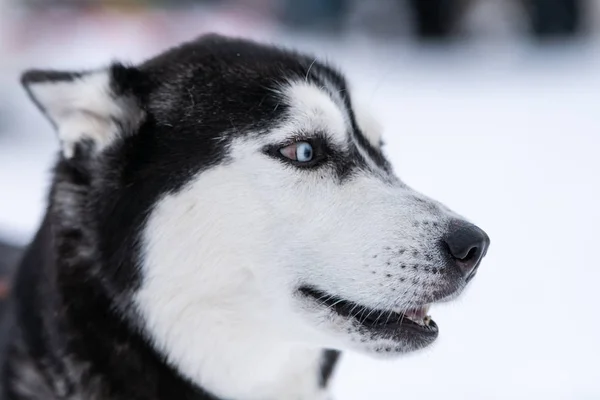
(304, 152)
(300, 151)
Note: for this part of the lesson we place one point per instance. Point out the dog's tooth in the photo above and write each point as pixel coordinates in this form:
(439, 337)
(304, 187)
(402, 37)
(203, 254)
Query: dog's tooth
(427, 320)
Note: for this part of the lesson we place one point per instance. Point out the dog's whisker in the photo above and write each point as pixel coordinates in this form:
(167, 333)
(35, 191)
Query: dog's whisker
(369, 314)
(308, 70)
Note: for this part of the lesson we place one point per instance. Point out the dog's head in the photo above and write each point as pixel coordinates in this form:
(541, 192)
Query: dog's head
(231, 184)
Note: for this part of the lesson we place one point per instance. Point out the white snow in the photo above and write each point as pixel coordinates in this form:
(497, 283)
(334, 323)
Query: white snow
(506, 134)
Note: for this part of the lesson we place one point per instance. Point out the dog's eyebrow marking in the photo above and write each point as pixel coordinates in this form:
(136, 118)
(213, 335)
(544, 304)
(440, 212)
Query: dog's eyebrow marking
(367, 144)
(314, 110)
(323, 104)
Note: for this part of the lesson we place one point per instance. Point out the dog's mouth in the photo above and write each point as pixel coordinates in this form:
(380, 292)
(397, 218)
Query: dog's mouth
(414, 321)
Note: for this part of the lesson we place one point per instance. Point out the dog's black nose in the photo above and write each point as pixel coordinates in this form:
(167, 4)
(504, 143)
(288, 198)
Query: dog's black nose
(467, 244)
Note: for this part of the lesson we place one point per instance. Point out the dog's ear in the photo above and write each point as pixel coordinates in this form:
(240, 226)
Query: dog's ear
(368, 124)
(92, 106)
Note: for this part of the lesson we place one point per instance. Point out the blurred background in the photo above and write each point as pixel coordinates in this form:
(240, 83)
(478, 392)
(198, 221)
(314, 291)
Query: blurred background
(491, 106)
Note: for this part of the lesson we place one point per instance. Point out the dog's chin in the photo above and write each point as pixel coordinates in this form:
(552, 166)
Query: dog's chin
(380, 332)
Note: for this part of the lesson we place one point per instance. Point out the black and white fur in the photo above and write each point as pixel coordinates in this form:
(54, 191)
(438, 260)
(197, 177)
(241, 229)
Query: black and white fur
(177, 239)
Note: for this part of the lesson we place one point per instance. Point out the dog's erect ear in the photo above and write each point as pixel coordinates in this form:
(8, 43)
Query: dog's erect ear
(93, 106)
(368, 124)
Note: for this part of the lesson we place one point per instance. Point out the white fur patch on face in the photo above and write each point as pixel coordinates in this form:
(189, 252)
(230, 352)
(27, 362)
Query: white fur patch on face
(305, 99)
(313, 111)
(209, 299)
(84, 108)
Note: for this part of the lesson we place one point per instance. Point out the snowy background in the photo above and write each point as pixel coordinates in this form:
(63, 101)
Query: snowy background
(502, 130)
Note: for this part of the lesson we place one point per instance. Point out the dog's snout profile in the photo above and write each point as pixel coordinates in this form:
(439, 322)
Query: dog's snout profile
(467, 244)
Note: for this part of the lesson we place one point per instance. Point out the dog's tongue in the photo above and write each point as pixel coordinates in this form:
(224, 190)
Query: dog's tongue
(417, 314)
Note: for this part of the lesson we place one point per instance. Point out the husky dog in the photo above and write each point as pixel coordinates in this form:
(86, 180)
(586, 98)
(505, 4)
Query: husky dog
(222, 222)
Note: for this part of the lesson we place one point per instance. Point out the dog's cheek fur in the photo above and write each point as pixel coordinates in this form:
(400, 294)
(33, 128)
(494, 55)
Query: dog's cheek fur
(211, 301)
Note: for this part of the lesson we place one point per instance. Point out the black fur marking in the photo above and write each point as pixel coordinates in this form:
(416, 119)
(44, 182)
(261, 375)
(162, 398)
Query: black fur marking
(41, 76)
(330, 359)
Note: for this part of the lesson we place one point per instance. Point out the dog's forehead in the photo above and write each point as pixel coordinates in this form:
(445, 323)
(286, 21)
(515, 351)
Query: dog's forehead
(220, 89)
(223, 82)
